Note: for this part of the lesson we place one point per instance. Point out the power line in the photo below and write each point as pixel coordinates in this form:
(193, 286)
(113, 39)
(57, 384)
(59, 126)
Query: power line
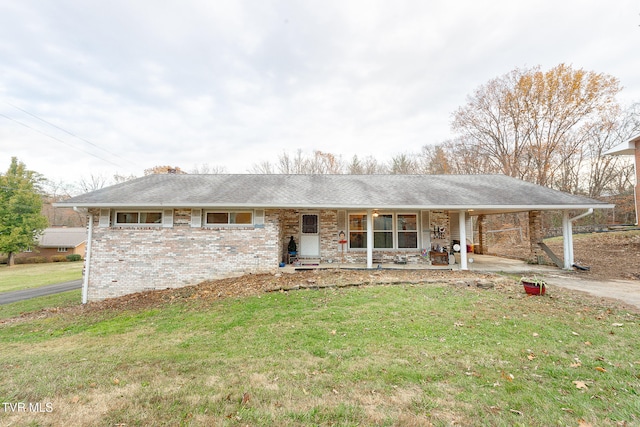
(70, 133)
(57, 139)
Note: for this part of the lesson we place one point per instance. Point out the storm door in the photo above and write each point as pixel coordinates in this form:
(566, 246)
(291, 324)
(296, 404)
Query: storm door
(309, 235)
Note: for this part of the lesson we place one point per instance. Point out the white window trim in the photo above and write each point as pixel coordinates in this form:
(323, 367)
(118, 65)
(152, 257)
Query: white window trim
(63, 249)
(228, 211)
(138, 224)
(394, 231)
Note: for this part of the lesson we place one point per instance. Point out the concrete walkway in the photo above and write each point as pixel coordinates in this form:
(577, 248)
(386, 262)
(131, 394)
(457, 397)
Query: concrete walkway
(15, 296)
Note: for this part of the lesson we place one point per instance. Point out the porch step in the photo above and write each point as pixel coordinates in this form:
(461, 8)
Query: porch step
(309, 261)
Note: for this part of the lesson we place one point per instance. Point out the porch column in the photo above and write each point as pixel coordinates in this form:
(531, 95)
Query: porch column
(567, 240)
(482, 235)
(369, 239)
(535, 234)
(462, 222)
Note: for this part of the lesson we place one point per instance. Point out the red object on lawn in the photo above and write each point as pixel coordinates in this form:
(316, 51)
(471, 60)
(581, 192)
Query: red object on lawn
(533, 288)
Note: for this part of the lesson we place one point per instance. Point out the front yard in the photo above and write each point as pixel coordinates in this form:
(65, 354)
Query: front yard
(428, 349)
(25, 276)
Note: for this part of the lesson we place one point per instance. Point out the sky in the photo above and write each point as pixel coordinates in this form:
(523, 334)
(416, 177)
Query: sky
(97, 88)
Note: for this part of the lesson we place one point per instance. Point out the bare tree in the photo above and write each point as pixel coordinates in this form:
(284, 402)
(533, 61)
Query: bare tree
(367, 166)
(529, 123)
(92, 183)
(206, 169)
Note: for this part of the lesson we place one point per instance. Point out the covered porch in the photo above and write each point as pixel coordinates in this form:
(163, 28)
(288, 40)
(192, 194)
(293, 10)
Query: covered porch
(475, 262)
(433, 240)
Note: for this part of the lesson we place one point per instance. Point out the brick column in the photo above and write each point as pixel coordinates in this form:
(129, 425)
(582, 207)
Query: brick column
(535, 233)
(637, 189)
(483, 248)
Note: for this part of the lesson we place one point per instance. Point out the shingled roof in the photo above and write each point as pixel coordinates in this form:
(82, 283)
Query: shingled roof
(71, 237)
(487, 193)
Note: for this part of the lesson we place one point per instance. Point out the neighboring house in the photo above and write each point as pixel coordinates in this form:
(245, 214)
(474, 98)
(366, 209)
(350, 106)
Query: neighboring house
(631, 148)
(58, 241)
(162, 231)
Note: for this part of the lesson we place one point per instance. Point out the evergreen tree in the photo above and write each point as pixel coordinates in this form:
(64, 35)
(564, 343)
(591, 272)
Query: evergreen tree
(21, 219)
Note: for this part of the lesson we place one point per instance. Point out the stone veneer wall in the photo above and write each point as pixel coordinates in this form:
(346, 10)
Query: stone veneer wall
(125, 260)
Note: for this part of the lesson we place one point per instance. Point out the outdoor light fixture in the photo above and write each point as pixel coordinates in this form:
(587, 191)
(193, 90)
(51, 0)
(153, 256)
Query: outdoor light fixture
(375, 213)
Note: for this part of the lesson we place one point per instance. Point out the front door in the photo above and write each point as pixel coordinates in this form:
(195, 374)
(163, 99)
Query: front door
(309, 236)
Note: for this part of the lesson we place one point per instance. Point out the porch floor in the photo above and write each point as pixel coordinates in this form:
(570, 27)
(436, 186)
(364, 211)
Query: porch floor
(480, 263)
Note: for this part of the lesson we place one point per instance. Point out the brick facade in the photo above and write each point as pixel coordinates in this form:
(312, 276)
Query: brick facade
(128, 259)
(125, 260)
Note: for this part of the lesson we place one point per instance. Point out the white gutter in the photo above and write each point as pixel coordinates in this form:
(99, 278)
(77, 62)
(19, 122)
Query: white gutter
(496, 208)
(567, 234)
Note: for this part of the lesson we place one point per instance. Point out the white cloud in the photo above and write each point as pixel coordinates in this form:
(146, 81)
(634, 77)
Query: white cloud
(237, 83)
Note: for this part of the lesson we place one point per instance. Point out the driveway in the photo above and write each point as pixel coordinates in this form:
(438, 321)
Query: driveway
(623, 290)
(9, 297)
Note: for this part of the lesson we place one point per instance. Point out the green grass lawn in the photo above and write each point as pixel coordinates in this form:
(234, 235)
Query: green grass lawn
(55, 301)
(25, 276)
(377, 355)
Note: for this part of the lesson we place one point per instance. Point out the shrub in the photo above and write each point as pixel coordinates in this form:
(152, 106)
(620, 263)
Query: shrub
(35, 260)
(74, 257)
(58, 258)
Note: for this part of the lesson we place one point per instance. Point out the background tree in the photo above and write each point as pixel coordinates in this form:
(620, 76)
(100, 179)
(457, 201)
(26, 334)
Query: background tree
(163, 170)
(530, 123)
(21, 220)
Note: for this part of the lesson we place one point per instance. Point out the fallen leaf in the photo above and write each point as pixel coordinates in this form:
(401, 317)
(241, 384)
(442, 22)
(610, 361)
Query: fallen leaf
(515, 412)
(116, 381)
(535, 334)
(508, 377)
(75, 399)
(574, 333)
(333, 332)
(617, 324)
(531, 356)
(601, 369)
(245, 398)
(580, 385)
(576, 365)
(335, 391)
(587, 343)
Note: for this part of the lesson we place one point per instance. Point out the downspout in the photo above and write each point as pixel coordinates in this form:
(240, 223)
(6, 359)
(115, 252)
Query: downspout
(369, 239)
(87, 262)
(567, 231)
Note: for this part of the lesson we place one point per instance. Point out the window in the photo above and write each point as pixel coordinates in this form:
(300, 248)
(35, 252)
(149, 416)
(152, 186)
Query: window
(383, 231)
(407, 231)
(310, 224)
(390, 231)
(63, 249)
(357, 231)
(229, 218)
(138, 217)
